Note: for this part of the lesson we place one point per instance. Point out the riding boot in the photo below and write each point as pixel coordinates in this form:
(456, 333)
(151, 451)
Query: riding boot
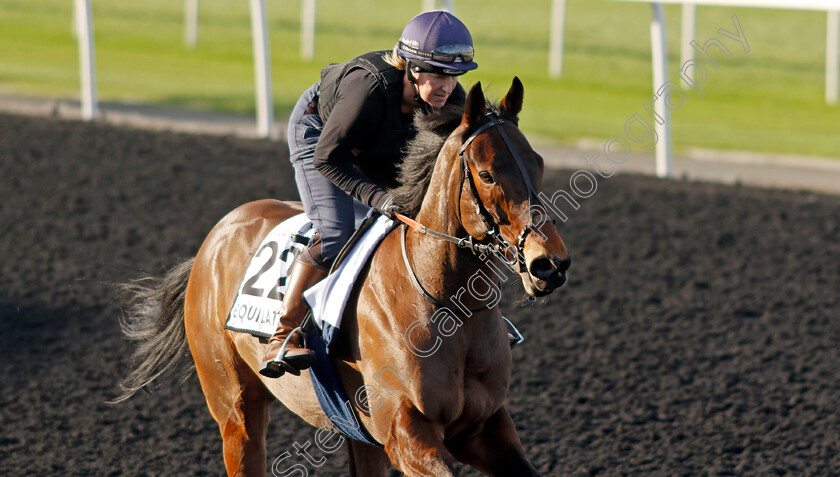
(284, 352)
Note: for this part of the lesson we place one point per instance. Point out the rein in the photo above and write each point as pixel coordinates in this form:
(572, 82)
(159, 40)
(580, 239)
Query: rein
(428, 296)
(478, 247)
(464, 242)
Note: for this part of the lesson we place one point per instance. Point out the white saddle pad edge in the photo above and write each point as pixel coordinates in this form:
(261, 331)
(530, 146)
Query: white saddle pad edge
(328, 298)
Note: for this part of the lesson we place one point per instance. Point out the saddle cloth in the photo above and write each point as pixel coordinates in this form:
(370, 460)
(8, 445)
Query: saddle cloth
(328, 298)
(256, 307)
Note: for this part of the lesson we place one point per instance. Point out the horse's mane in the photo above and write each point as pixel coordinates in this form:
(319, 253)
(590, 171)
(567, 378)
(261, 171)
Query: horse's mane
(420, 156)
(421, 153)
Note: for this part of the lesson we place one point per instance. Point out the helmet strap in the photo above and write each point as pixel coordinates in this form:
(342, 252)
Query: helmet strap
(417, 98)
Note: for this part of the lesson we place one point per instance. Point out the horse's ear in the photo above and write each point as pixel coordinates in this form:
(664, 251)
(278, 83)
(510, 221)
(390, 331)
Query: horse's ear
(512, 103)
(475, 105)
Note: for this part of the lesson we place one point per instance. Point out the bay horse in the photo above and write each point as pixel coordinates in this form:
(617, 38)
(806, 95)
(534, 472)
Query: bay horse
(428, 377)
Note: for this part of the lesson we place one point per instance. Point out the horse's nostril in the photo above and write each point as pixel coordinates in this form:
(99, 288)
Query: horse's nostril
(564, 264)
(542, 268)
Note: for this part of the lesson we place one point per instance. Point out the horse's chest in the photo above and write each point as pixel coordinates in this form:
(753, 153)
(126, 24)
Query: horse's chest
(486, 380)
(472, 391)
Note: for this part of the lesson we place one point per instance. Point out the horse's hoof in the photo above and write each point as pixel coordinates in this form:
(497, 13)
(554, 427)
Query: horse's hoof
(272, 369)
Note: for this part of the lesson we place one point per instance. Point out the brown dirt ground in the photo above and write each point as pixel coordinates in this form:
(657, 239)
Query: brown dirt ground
(699, 333)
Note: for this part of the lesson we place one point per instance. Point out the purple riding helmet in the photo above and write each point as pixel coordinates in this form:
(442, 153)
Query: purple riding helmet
(437, 42)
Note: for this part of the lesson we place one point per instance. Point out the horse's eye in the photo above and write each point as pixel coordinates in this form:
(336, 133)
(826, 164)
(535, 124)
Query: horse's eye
(486, 177)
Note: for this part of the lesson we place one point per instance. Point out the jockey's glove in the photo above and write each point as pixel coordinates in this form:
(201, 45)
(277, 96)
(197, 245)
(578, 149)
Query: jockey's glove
(386, 206)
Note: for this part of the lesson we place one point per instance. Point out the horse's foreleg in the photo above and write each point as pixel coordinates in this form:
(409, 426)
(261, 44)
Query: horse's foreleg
(415, 444)
(367, 460)
(493, 447)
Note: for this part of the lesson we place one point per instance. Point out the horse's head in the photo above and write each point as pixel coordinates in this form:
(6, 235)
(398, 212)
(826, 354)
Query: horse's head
(500, 194)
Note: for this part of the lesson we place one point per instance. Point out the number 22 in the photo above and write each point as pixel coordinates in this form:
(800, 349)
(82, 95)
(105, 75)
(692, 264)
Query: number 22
(249, 289)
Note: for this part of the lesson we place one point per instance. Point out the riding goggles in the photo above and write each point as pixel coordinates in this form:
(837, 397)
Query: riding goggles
(444, 54)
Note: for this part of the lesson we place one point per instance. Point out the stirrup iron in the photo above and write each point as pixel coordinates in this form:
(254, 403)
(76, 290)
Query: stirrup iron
(277, 366)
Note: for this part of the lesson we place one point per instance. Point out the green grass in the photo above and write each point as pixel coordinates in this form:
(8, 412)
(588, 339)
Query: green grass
(769, 100)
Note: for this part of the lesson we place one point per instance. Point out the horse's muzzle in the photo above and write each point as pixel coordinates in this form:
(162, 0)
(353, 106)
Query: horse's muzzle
(548, 273)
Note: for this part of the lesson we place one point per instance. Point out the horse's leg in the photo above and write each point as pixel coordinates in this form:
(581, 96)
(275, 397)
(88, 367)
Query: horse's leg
(235, 396)
(243, 432)
(240, 405)
(493, 447)
(415, 444)
(367, 460)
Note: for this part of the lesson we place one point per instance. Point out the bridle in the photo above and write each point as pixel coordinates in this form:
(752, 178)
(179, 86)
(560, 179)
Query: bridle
(495, 244)
(498, 246)
(490, 222)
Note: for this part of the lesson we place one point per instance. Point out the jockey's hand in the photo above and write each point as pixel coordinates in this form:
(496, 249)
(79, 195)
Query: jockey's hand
(387, 207)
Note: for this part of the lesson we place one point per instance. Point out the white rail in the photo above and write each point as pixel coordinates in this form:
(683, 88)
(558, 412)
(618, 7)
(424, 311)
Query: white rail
(307, 29)
(191, 23)
(87, 59)
(660, 76)
(660, 54)
(262, 69)
(832, 56)
(557, 37)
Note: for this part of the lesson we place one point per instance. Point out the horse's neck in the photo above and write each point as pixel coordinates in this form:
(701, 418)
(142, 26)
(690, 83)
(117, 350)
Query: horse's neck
(442, 265)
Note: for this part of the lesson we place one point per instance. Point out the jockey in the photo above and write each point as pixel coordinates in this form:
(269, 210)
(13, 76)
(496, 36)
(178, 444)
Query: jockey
(345, 139)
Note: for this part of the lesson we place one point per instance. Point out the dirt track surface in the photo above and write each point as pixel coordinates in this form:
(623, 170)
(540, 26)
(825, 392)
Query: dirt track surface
(699, 333)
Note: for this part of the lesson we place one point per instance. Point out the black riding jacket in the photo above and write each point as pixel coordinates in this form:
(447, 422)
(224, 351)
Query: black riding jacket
(360, 147)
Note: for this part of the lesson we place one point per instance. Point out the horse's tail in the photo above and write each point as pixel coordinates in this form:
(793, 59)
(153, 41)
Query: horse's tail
(155, 320)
